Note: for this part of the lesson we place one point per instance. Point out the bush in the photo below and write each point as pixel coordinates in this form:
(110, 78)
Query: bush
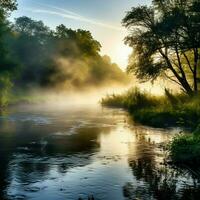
(185, 149)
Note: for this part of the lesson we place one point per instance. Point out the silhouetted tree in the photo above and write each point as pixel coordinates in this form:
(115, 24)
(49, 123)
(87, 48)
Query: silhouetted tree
(166, 40)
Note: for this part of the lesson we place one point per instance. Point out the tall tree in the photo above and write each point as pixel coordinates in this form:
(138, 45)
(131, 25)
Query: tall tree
(30, 48)
(7, 64)
(77, 42)
(166, 40)
(6, 6)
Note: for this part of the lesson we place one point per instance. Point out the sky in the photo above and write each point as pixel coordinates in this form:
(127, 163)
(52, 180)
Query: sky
(101, 17)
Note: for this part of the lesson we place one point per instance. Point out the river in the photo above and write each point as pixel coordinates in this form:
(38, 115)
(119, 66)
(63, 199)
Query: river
(67, 153)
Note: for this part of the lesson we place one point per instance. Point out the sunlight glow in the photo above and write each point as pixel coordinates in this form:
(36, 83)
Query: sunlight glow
(122, 55)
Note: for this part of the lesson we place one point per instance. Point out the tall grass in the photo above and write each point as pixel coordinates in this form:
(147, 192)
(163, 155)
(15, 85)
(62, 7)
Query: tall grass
(159, 111)
(132, 99)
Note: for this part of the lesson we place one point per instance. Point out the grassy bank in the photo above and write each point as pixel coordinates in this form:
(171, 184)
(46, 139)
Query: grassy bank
(164, 111)
(10, 95)
(19, 97)
(158, 111)
(24, 97)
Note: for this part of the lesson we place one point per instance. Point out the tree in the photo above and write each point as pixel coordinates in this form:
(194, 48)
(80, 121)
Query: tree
(61, 59)
(166, 41)
(6, 64)
(30, 48)
(27, 26)
(8, 5)
(77, 42)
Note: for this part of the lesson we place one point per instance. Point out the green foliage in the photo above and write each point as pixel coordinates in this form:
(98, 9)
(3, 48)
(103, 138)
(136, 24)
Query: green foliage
(159, 111)
(161, 36)
(5, 89)
(8, 5)
(116, 101)
(61, 59)
(185, 149)
(165, 111)
(78, 41)
(19, 97)
(7, 65)
(29, 48)
(35, 56)
(132, 99)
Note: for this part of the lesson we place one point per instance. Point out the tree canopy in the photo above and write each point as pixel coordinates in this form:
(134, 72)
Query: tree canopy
(33, 55)
(61, 58)
(8, 5)
(166, 39)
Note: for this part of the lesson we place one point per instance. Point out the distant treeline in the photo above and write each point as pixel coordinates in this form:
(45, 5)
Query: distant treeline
(33, 55)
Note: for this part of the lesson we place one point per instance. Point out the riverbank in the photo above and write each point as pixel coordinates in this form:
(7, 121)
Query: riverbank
(164, 111)
(20, 97)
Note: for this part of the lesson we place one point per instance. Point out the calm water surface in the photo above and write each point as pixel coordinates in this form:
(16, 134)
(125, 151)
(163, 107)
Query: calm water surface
(65, 153)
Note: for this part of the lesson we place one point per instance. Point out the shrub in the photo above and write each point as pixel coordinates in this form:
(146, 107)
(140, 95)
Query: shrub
(185, 149)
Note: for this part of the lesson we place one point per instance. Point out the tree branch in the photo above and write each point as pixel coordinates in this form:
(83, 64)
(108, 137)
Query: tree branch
(171, 79)
(179, 63)
(188, 62)
(185, 85)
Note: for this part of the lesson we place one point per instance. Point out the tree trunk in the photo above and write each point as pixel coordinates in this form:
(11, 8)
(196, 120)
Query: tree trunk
(195, 84)
(196, 58)
(187, 88)
(182, 80)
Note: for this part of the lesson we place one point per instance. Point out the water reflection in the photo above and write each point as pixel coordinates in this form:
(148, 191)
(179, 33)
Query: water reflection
(155, 179)
(80, 152)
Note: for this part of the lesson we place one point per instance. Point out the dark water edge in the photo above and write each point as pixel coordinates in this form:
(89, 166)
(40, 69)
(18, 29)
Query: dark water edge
(80, 151)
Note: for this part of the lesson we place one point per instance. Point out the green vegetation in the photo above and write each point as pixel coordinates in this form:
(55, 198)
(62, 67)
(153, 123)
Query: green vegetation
(35, 57)
(186, 149)
(23, 97)
(166, 42)
(61, 59)
(5, 90)
(158, 111)
(165, 111)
